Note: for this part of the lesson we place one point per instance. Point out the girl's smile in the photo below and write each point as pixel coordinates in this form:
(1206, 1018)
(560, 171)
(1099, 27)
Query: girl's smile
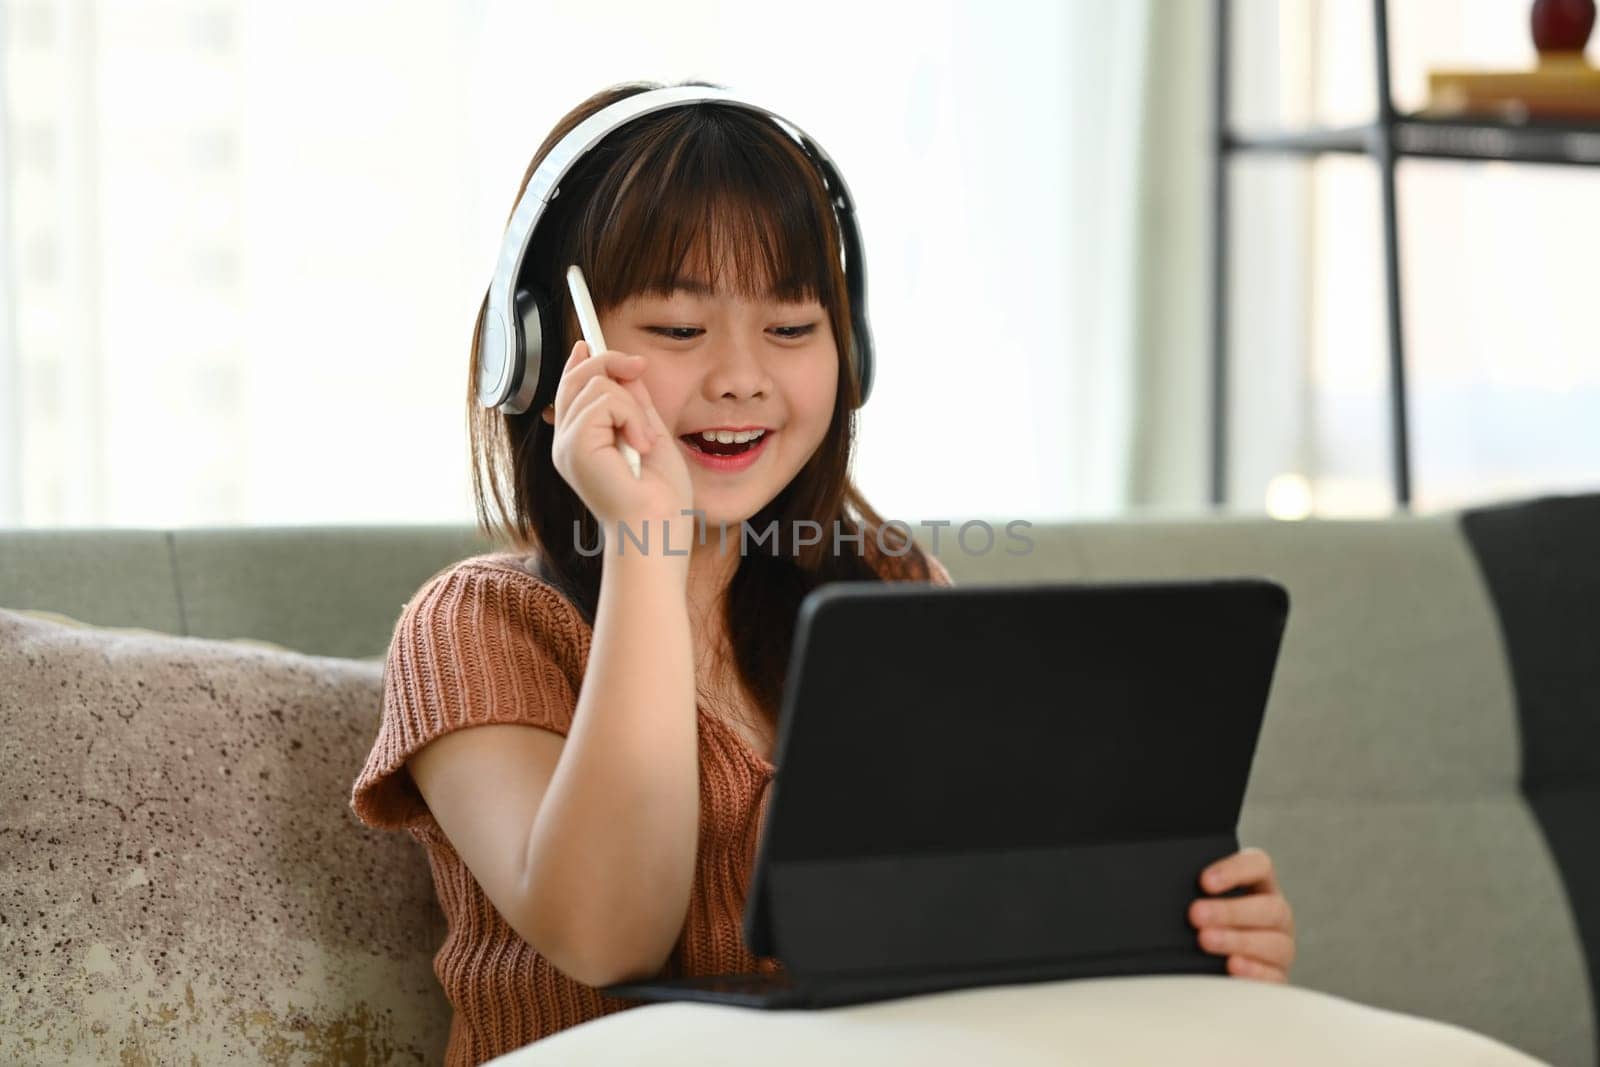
(722, 457)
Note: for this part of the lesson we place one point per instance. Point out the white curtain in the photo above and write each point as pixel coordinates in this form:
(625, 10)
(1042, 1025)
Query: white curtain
(244, 242)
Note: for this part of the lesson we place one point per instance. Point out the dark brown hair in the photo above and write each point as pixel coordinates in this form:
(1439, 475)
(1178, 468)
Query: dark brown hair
(730, 182)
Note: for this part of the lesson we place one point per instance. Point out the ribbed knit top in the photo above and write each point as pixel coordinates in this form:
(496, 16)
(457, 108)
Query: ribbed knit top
(487, 641)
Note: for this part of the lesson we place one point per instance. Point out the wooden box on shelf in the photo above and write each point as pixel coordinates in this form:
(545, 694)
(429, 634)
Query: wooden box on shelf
(1562, 87)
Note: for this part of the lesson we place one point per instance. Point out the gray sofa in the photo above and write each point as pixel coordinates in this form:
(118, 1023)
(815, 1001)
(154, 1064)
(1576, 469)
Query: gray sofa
(1427, 778)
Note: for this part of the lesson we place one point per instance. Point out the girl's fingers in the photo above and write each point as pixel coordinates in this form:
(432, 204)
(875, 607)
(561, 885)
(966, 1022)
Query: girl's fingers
(567, 387)
(580, 369)
(1267, 910)
(605, 403)
(612, 418)
(641, 428)
(653, 427)
(1255, 931)
(1244, 967)
(628, 420)
(656, 422)
(1248, 866)
(626, 370)
(1271, 947)
(579, 353)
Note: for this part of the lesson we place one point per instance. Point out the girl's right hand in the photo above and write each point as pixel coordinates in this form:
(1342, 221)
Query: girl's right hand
(598, 402)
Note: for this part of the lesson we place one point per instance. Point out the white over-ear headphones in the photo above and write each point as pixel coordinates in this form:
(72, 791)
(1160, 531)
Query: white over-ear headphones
(519, 315)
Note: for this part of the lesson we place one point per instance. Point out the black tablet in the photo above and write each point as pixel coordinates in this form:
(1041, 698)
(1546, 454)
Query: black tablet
(995, 772)
(991, 784)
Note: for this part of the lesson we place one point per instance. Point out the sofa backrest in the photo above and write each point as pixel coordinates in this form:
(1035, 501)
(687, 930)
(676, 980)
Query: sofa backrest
(325, 590)
(1432, 868)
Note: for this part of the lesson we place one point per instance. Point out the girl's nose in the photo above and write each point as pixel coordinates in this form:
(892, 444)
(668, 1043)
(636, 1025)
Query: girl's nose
(736, 369)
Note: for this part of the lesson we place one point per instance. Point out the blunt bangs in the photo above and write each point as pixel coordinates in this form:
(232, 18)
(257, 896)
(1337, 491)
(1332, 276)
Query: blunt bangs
(714, 199)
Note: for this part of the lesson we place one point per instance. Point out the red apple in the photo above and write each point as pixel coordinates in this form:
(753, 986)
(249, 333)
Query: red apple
(1562, 25)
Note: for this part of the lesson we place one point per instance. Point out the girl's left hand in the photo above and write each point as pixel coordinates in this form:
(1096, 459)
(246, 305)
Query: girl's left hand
(1255, 931)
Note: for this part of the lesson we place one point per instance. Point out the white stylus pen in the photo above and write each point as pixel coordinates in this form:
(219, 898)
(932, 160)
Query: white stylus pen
(590, 322)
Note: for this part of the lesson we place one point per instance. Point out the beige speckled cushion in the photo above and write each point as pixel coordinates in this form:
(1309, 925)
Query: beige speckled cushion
(181, 879)
(132, 631)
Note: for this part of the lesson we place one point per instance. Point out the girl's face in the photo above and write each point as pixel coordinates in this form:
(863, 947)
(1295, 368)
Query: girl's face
(716, 361)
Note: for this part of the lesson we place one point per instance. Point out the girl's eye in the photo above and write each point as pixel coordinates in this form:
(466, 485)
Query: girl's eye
(687, 333)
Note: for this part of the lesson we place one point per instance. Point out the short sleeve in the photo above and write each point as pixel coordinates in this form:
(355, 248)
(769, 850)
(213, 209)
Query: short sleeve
(477, 644)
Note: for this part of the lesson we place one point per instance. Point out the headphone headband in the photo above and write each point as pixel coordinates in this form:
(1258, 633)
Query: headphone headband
(516, 322)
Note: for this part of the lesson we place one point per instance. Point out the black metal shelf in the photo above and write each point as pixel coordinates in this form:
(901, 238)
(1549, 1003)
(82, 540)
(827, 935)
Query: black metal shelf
(1425, 137)
(1390, 137)
(1315, 142)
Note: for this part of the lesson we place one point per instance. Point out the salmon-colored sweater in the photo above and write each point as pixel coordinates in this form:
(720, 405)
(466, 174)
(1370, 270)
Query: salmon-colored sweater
(486, 641)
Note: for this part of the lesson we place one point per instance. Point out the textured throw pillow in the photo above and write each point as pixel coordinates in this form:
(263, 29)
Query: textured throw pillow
(129, 631)
(181, 878)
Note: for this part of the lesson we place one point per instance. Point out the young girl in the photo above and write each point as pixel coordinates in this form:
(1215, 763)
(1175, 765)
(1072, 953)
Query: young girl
(598, 820)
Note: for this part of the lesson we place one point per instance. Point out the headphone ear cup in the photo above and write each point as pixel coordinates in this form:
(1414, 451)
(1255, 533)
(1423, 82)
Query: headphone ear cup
(533, 368)
(861, 356)
(505, 380)
(495, 351)
(855, 274)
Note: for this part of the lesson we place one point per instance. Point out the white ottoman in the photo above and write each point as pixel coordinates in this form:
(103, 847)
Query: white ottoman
(1147, 1021)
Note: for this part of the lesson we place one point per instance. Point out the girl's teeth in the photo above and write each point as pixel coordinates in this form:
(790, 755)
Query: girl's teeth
(722, 443)
(729, 437)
